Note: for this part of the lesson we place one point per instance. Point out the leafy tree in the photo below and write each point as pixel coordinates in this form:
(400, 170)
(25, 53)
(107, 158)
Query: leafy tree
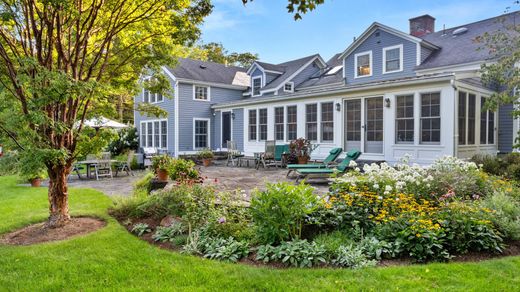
(62, 61)
(502, 72)
(298, 7)
(215, 52)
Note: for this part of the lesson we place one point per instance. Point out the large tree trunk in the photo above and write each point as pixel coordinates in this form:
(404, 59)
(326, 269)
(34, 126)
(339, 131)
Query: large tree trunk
(58, 196)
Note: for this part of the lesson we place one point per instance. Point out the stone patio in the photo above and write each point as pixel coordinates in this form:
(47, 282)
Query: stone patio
(221, 177)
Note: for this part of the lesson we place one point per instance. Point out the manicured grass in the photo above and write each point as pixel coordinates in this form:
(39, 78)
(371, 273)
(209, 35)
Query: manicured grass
(112, 259)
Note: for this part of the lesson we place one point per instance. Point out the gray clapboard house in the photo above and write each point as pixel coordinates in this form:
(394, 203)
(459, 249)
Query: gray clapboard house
(389, 94)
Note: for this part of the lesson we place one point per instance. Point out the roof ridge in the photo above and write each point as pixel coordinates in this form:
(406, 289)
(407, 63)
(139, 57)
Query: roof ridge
(215, 63)
(299, 59)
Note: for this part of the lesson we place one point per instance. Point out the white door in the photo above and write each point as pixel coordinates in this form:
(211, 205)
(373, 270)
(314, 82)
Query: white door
(364, 125)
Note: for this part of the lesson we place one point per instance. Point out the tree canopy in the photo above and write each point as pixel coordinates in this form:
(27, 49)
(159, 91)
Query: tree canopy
(298, 7)
(215, 52)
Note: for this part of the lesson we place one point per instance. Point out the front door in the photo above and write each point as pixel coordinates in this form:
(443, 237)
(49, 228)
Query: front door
(364, 124)
(226, 128)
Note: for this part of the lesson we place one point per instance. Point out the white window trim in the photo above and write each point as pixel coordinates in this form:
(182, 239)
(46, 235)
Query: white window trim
(320, 119)
(248, 125)
(284, 123)
(252, 85)
(421, 118)
(194, 92)
(148, 122)
(209, 133)
(258, 139)
(400, 47)
(369, 53)
(292, 86)
(396, 119)
(149, 95)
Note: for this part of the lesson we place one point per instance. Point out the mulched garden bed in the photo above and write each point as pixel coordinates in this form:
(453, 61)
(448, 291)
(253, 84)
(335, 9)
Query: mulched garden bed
(512, 249)
(39, 233)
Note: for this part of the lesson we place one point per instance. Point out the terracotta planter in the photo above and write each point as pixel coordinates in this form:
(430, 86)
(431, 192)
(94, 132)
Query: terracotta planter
(303, 159)
(162, 174)
(206, 162)
(36, 182)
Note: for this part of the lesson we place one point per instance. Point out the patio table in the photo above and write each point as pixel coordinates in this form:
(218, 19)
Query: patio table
(89, 163)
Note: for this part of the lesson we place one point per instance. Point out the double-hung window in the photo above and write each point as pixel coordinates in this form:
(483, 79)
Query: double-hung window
(256, 85)
(404, 119)
(201, 133)
(327, 122)
(487, 124)
(466, 118)
(462, 117)
(292, 126)
(200, 92)
(393, 59)
(311, 121)
(363, 64)
(431, 118)
(279, 126)
(262, 124)
(252, 125)
(150, 97)
(154, 134)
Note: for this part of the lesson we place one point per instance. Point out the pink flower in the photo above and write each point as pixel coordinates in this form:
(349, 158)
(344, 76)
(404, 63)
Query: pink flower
(222, 220)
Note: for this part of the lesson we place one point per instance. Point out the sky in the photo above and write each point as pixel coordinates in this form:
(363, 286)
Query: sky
(266, 28)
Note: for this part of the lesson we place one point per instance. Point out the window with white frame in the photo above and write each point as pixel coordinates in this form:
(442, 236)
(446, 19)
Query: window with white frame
(363, 64)
(311, 121)
(392, 59)
(472, 111)
(262, 124)
(256, 85)
(327, 122)
(201, 133)
(431, 118)
(200, 92)
(462, 117)
(292, 126)
(252, 125)
(279, 126)
(150, 97)
(288, 87)
(487, 124)
(466, 118)
(154, 134)
(404, 119)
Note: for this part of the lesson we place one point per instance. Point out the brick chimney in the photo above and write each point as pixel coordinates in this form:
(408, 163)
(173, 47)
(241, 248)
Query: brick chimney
(422, 25)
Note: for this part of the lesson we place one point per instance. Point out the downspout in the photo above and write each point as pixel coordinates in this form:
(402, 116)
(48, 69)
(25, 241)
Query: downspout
(455, 122)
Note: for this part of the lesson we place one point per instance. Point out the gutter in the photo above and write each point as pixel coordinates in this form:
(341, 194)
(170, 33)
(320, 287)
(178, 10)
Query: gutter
(337, 90)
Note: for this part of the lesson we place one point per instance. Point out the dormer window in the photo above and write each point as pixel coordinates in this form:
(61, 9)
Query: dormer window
(257, 84)
(393, 59)
(288, 87)
(363, 64)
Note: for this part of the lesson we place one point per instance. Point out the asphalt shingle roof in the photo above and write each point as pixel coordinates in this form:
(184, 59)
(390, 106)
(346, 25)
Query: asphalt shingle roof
(271, 67)
(325, 78)
(462, 48)
(289, 68)
(210, 72)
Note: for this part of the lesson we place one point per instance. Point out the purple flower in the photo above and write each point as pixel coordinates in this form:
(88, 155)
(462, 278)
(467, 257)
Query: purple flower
(222, 220)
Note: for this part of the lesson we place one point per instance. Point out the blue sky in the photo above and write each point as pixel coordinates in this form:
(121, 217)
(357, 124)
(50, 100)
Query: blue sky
(265, 27)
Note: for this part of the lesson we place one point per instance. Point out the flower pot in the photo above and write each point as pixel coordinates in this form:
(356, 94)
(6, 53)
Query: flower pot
(303, 159)
(36, 182)
(162, 174)
(206, 162)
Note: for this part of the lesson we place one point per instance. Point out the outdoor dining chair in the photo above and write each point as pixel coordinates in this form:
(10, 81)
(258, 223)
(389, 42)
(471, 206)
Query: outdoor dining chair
(103, 167)
(125, 165)
(234, 155)
(268, 155)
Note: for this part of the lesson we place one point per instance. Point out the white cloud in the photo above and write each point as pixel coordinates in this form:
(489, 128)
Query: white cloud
(218, 20)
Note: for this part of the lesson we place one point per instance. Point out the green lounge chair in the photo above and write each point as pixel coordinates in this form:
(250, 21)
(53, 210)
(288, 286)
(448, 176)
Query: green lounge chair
(333, 155)
(279, 152)
(342, 167)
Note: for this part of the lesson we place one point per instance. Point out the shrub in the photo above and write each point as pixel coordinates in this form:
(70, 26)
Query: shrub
(168, 233)
(296, 253)
(229, 219)
(144, 184)
(127, 139)
(181, 170)
(140, 229)
(9, 163)
(506, 215)
(279, 213)
(162, 162)
(507, 165)
(352, 256)
(225, 249)
(205, 154)
(31, 165)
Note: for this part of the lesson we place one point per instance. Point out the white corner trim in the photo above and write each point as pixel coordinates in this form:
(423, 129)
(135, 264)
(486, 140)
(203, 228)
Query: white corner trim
(194, 86)
(369, 53)
(208, 132)
(400, 47)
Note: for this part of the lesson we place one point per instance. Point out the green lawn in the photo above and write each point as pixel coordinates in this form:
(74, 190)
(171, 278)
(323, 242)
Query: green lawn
(112, 259)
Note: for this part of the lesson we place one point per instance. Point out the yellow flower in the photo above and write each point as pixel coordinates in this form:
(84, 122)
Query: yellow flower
(418, 235)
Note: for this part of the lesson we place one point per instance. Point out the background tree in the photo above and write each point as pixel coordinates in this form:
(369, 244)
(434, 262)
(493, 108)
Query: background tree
(502, 72)
(215, 52)
(298, 7)
(62, 61)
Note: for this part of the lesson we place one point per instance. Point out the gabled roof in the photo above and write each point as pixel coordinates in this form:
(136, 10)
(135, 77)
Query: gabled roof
(210, 72)
(290, 69)
(462, 48)
(265, 67)
(326, 78)
(377, 25)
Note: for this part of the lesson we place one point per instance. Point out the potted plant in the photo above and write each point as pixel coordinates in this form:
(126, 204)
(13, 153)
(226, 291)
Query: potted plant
(31, 169)
(161, 164)
(206, 155)
(301, 148)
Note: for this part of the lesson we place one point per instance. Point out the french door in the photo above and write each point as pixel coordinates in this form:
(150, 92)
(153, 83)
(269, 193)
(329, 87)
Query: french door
(364, 124)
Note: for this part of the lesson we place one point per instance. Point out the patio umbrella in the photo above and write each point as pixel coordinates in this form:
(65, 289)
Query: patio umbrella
(102, 122)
